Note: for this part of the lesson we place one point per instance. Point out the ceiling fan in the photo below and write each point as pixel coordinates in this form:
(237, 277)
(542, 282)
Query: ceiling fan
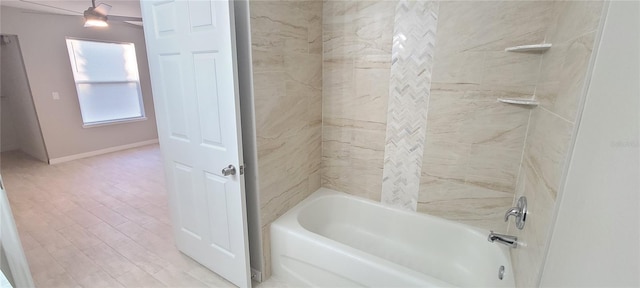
(96, 16)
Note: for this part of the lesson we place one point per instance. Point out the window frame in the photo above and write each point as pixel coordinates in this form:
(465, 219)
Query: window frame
(72, 61)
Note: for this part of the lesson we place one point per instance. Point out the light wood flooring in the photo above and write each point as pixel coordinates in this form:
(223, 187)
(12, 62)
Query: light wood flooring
(99, 222)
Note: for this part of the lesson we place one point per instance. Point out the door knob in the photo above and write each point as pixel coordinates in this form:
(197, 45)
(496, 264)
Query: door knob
(230, 170)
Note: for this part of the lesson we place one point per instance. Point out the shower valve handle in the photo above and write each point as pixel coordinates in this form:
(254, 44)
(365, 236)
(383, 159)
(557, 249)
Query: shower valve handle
(519, 212)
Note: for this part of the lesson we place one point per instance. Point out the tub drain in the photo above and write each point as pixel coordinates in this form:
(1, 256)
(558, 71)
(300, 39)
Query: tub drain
(501, 272)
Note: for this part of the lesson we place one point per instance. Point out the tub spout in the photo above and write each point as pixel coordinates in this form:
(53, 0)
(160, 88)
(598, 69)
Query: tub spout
(508, 240)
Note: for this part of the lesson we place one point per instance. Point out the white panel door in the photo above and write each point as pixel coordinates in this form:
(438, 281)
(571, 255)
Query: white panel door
(16, 267)
(191, 51)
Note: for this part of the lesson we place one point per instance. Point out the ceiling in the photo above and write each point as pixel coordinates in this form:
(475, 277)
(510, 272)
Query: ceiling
(75, 7)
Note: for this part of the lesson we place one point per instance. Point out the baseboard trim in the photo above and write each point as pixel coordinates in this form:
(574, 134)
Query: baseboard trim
(54, 161)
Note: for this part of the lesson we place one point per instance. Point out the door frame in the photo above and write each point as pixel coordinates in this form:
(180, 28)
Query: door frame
(249, 138)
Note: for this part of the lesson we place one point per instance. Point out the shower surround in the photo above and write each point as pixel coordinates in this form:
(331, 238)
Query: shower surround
(477, 154)
(357, 38)
(474, 144)
(446, 148)
(560, 88)
(332, 110)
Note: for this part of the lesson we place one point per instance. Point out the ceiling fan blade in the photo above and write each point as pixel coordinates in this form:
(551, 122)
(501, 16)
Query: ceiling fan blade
(103, 9)
(124, 18)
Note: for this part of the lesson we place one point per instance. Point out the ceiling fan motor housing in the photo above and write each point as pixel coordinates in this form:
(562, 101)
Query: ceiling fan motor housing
(91, 14)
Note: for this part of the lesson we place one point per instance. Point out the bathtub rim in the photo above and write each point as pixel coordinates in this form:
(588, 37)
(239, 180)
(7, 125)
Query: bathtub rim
(291, 219)
(326, 192)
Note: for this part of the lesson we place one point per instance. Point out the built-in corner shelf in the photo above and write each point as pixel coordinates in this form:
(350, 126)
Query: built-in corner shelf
(535, 48)
(523, 102)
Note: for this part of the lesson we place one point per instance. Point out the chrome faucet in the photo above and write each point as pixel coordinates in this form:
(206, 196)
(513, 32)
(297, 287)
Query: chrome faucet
(508, 240)
(513, 211)
(519, 212)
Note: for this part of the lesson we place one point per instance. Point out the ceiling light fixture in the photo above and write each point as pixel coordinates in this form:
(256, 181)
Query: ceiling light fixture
(89, 22)
(96, 17)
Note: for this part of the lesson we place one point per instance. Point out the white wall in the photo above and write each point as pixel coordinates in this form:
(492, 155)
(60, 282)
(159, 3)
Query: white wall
(596, 240)
(18, 104)
(42, 39)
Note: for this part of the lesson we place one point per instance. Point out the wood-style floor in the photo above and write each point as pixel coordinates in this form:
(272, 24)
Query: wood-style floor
(99, 222)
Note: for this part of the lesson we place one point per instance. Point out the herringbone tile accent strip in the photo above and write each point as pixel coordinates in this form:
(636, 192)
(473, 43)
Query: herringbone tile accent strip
(412, 61)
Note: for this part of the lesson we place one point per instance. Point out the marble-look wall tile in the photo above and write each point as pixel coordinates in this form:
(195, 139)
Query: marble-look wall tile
(480, 141)
(447, 161)
(287, 66)
(572, 80)
(338, 18)
(355, 93)
(278, 114)
(284, 165)
(516, 69)
(477, 144)
(357, 37)
(527, 259)
(495, 124)
(493, 168)
(352, 156)
(560, 92)
(573, 19)
(468, 183)
(547, 146)
(463, 203)
(504, 24)
(463, 67)
(562, 73)
(355, 28)
(410, 86)
(313, 14)
(474, 54)
(448, 114)
(562, 77)
(278, 27)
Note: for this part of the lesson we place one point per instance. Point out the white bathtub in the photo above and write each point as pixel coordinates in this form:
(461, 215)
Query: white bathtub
(332, 239)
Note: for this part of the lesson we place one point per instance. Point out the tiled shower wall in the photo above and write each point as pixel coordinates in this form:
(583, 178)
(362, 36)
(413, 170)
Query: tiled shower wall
(573, 32)
(357, 37)
(414, 40)
(473, 143)
(287, 71)
(322, 72)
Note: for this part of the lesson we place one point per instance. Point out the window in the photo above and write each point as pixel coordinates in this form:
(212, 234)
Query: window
(107, 81)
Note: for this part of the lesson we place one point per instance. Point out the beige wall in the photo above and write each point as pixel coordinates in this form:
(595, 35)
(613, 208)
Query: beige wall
(8, 134)
(42, 39)
(18, 112)
(573, 31)
(287, 73)
(357, 37)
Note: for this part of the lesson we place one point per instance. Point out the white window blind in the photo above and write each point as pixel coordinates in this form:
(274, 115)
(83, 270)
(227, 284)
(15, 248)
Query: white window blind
(107, 81)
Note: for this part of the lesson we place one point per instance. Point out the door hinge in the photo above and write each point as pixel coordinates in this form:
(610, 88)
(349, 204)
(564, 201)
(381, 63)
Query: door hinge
(242, 168)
